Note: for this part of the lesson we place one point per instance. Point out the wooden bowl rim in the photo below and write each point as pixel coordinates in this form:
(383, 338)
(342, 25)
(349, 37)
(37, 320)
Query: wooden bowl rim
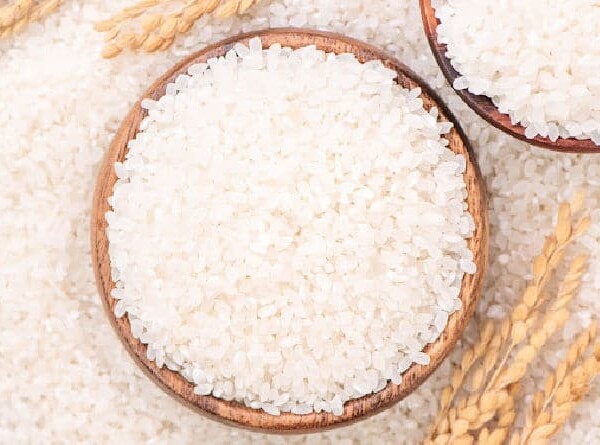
(237, 414)
(483, 105)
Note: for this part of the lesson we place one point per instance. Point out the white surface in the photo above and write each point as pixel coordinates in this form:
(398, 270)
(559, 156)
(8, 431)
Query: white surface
(65, 378)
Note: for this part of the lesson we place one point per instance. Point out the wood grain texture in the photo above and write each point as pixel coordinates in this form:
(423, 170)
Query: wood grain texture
(483, 105)
(235, 413)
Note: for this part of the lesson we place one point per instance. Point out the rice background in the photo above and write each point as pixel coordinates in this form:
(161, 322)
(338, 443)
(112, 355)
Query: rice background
(64, 377)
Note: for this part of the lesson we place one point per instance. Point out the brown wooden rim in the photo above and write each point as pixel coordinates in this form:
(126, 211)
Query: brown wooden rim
(483, 105)
(236, 414)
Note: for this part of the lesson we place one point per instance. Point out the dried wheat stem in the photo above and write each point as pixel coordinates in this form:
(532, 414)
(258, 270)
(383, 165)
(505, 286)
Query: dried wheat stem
(34, 13)
(494, 401)
(228, 8)
(11, 13)
(543, 267)
(574, 353)
(127, 14)
(505, 418)
(572, 389)
(538, 415)
(481, 372)
(459, 373)
(488, 414)
(478, 409)
(555, 318)
(577, 201)
(158, 31)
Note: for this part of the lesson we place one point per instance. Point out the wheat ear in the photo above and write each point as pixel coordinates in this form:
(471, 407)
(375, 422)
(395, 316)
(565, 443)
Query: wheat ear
(538, 416)
(505, 419)
(573, 388)
(544, 266)
(158, 31)
(11, 13)
(475, 411)
(15, 17)
(459, 373)
(555, 318)
(513, 330)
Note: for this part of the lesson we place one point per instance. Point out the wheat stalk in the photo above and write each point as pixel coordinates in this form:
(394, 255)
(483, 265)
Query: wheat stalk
(158, 31)
(538, 415)
(555, 318)
(573, 387)
(513, 330)
(12, 12)
(476, 413)
(487, 415)
(524, 315)
(15, 16)
(459, 373)
(505, 418)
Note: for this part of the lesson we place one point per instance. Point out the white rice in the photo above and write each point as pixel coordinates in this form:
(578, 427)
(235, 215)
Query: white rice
(65, 378)
(537, 59)
(289, 242)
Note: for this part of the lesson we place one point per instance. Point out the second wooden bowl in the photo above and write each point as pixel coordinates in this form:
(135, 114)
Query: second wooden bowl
(236, 413)
(483, 105)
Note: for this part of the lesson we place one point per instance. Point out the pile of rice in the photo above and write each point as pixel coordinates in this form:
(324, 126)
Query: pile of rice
(289, 244)
(538, 60)
(65, 376)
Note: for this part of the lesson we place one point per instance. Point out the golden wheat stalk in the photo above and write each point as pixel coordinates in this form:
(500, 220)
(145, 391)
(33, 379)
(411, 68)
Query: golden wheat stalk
(15, 16)
(538, 415)
(459, 373)
(505, 419)
(487, 415)
(513, 328)
(573, 387)
(524, 315)
(157, 31)
(12, 12)
(556, 317)
(475, 411)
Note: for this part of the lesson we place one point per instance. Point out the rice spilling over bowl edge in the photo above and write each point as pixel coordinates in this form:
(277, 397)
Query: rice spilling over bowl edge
(289, 244)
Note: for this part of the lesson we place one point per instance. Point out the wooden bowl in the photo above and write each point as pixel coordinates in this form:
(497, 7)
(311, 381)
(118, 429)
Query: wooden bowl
(235, 413)
(483, 105)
